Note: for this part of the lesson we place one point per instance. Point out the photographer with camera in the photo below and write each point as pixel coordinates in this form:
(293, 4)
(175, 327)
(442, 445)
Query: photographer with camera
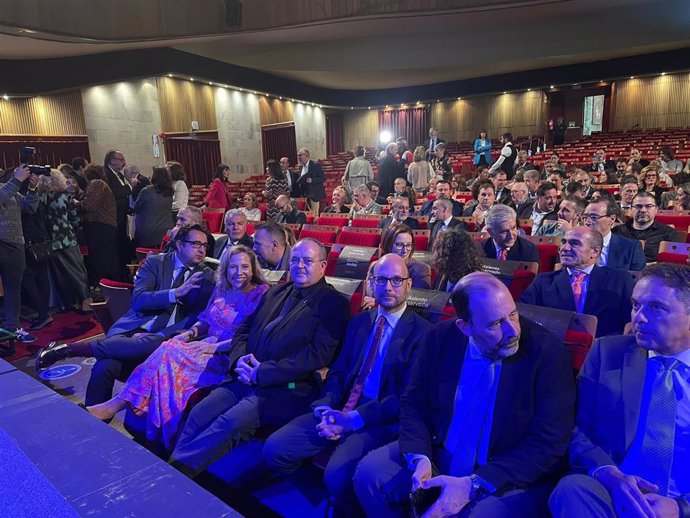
(12, 260)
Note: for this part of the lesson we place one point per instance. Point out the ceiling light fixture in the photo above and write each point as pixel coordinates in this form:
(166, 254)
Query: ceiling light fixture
(663, 73)
(632, 77)
(6, 97)
(191, 79)
(169, 75)
(551, 86)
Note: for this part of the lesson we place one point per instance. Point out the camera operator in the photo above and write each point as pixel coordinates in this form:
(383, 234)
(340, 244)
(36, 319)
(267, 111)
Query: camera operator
(12, 260)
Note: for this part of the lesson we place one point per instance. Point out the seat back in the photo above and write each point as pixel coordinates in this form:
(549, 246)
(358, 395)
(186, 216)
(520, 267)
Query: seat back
(421, 239)
(671, 252)
(213, 220)
(359, 236)
(118, 296)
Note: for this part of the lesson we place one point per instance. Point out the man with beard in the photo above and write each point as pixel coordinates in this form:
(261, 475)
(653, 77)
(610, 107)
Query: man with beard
(270, 246)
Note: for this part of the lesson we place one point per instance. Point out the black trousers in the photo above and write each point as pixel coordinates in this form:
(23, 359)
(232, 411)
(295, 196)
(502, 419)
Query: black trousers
(12, 264)
(36, 286)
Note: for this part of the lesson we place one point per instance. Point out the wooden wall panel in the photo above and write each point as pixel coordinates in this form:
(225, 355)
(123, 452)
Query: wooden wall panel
(273, 111)
(49, 115)
(360, 128)
(182, 102)
(652, 102)
(520, 113)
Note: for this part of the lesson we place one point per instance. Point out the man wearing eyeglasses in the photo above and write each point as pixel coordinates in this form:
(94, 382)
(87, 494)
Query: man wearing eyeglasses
(170, 290)
(287, 213)
(643, 227)
(358, 408)
(618, 252)
(275, 354)
(400, 214)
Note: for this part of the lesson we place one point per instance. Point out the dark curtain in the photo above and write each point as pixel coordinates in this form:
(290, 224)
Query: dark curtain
(410, 123)
(48, 151)
(278, 141)
(200, 157)
(335, 142)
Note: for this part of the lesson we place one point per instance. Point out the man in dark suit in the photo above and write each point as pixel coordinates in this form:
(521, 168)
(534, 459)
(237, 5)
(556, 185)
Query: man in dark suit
(619, 252)
(291, 177)
(500, 179)
(490, 406)
(443, 219)
(294, 332)
(390, 168)
(113, 164)
(519, 199)
(311, 180)
(170, 290)
(287, 212)
(629, 447)
(504, 243)
(584, 287)
(235, 233)
(400, 210)
(136, 181)
(543, 207)
(358, 409)
(271, 247)
(442, 191)
(431, 143)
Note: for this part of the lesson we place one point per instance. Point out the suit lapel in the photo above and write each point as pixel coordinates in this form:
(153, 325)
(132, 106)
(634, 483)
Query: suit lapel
(595, 281)
(508, 385)
(563, 289)
(634, 367)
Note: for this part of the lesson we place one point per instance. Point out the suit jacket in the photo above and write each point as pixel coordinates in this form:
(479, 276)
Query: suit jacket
(522, 250)
(295, 191)
(219, 246)
(427, 143)
(527, 208)
(410, 222)
(143, 182)
(395, 374)
(625, 254)
(294, 217)
(315, 190)
(608, 296)
(436, 225)
(426, 207)
(121, 193)
(610, 386)
(150, 297)
(532, 415)
(389, 170)
(303, 342)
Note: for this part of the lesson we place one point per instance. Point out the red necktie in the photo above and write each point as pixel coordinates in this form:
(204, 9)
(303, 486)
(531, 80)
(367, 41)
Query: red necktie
(576, 285)
(502, 254)
(357, 388)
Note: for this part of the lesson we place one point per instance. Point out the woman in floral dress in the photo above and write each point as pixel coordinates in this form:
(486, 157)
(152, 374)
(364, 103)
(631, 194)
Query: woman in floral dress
(163, 384)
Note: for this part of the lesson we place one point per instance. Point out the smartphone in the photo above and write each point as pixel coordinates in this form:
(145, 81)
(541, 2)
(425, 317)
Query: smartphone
(422, 499)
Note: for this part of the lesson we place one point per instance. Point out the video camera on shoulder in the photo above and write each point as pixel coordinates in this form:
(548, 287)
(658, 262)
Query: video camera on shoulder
(27, 154)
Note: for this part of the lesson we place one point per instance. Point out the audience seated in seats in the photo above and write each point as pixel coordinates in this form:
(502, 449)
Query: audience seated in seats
(339, 199)
(649, 182)
(66, 262)
(152, 210)
(294, 332)
(280, 181)
(500, 179)
(682, 199)
(636, 159)
(178, 176)
(569, 213)
(170, 290)
(629, 189)
(310, 180)
(618, 252)
(357, 410)
(358, 171)
(599, 162)
(442, 213)
(628, 451)
(532, 178)
(136, 182)
(113, 165)
(581, 176)
(442, 191)
(555, 176)
(420, 172)
(642, 226)
(441, 163)
(219, 196)
(621, 164)
(506, 160)
(523, 165)
(250, 208)
(574, 188)
(454, 255)
(160, 388)
(402, 190)
(235, 233)
(398, 240)
(485, 196)
(98, 213)
(186, 217)
(582, 286)
(519, 196)
(605, 195)
(375, 192)
(542, 208)
(287, 211)
(490, 405)
(458, 185)
(400, 213)
(504, 243)
(669, 163)
(271, 247)
(363, 203)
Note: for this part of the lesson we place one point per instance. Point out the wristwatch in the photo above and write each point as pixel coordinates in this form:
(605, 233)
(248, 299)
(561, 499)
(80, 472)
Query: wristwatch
(479, 488)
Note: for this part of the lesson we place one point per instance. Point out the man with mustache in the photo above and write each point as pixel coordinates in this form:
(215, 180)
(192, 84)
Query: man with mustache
(582, 286)
(484, 418)
(629, 450)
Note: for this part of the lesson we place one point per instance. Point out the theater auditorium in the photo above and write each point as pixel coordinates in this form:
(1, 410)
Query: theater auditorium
(340, 258)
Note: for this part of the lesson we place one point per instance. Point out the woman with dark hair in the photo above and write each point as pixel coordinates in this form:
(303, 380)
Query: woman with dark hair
(152, 210)
(99, 214)
(399, 240)
(79, 165)
(482, 150)
(218, 196)
(161, 386)
(454, 255)
(682, 200)
(276, 185)
(181, 192)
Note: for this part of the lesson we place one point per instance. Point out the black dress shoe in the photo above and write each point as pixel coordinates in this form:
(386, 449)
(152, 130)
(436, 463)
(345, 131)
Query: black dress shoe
(51, 354)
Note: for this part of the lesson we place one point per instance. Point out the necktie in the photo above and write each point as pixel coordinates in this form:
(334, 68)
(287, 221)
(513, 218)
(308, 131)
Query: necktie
(473, 411)
(655, 456)
(502, 254)
(182, 275)
(576, 279)
(433, 144)
(364, 371)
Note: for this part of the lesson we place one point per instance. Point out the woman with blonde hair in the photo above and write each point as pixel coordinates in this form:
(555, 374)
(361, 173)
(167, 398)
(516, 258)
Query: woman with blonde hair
(420, 171)
(160, 387)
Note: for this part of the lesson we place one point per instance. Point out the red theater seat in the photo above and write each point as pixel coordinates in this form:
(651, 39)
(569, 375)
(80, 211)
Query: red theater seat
(349, 236)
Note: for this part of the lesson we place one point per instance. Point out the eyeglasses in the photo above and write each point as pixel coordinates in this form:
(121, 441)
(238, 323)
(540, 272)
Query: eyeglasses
(593, 217)
(400, 246)
(197, 244)
(396, 282)
(307, 262)
(640, 207)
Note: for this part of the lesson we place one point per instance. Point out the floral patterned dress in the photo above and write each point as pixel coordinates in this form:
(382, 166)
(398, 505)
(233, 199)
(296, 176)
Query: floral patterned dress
(163, 384)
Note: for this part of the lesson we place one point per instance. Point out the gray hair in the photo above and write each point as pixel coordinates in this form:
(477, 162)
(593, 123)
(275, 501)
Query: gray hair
(234, 212)
(390, 146)
(363, 189)
(499, 214)
(445, 203)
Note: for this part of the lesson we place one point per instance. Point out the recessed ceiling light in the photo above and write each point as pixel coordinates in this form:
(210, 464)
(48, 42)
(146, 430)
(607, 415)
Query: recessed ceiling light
(632, 77)
(369, 108)
(551, 86)
(529, 89)
(191, 79)
(505, 93)
(169, 75)
(6, 97)
(210, 83)
(663, 73)
(280, 98)
(352, 107)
